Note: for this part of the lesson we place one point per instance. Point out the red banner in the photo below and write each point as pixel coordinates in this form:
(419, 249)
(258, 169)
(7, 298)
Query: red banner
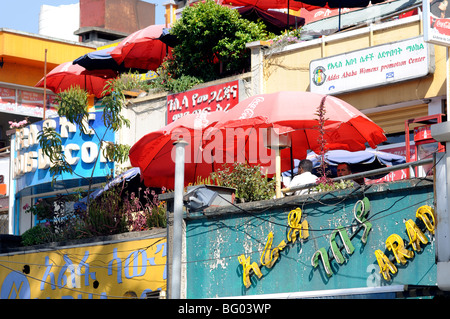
(7, 95)
(221, 97)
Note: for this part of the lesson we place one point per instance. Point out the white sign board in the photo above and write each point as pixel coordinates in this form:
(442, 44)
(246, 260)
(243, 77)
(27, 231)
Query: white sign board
(436, 22)
(372, 67)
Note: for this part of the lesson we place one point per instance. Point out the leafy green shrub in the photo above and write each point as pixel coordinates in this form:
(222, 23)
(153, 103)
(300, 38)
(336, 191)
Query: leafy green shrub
(104, 215)
(37, 235)
(212, 42)
(249, 182)
(175, 85)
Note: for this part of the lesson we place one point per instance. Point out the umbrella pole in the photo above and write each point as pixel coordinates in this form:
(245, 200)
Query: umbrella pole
(287, 27)
(292, 163)
(277, 172)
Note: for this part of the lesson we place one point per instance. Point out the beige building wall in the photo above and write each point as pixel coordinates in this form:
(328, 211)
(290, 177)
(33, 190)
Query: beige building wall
(389, 105)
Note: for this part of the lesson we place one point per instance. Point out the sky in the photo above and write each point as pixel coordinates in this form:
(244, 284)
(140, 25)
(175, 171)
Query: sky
(23, 15)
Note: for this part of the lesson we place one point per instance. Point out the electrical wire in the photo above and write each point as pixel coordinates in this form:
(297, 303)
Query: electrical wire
(309, 200)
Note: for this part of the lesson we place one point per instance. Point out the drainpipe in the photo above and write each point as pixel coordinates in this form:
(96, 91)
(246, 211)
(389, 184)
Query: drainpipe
(177, 239)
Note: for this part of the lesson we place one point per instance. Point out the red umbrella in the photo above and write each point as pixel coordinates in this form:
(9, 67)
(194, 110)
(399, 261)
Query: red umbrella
(304, 4)
(275, 20)
(142, 49)
(341, 3)
(68, 75)
(154, 152)
(270, 4)
(294, 114)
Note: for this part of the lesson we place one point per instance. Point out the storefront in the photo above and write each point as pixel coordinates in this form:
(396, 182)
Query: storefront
(377, 243)
(30, 167)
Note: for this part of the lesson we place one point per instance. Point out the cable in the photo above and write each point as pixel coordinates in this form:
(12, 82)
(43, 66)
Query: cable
(67, 288)
(309, 200)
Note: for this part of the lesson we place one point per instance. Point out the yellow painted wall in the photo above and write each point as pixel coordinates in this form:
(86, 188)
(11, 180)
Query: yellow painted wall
(24, 55)
(289, 70)
(108, 271)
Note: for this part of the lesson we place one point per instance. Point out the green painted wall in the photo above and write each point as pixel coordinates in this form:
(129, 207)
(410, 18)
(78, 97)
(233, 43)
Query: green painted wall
(214, 242)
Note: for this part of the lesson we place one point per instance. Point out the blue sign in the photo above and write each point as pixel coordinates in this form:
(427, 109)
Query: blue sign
(83, 151)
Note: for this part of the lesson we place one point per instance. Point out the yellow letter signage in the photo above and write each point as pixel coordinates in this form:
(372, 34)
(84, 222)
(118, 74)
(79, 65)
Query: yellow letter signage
(396, 244)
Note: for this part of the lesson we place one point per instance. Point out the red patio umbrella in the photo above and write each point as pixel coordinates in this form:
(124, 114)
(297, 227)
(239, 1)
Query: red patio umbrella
(154, 152)
(68, 75)
(304, 4)
(293, 114)
(274, 20)
(341, 3)
(269, 4)
(142, 49)
(308, 5)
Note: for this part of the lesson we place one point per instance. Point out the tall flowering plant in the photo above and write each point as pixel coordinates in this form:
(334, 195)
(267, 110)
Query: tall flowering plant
(324, 183)
(321, 112)
(144, 210)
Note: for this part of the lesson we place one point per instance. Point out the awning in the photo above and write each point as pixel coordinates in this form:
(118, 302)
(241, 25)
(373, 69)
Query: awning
(124, 177)
(363, 16)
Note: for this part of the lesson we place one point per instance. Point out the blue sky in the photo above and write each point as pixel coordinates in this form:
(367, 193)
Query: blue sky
(23, 15)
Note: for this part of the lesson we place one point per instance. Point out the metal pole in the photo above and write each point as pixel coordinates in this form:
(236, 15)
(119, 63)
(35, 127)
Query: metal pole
(287, 26)
(178, 219)
(277, 172)
(45, 84)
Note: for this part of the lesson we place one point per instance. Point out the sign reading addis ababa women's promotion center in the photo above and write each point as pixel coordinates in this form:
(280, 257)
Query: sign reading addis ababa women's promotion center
(373, 66)
(436, 22)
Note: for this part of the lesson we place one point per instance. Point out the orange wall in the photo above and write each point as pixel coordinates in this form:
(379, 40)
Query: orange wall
(24, 55)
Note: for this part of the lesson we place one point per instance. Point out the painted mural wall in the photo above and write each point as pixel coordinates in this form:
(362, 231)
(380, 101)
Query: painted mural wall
(122, 269)
(382, 236)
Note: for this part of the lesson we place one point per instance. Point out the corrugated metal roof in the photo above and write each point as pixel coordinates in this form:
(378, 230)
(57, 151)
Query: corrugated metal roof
(363, 16)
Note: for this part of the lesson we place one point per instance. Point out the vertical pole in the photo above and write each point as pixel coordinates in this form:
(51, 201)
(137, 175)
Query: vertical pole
(278, 172)
(12, 186)
(45, 84)
(339, 17)
(178, 219)
(447, 86)
(287, 26)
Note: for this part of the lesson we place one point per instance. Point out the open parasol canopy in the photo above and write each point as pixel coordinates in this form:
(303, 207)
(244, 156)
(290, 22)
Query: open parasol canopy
(274, 20)
(292, 116)
(333, 4)
(154, 152)
(67, 75)
(142, 49)
(98, 60)
(303, 4)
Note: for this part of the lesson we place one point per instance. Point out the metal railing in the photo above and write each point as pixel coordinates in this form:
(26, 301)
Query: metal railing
(374, 172)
